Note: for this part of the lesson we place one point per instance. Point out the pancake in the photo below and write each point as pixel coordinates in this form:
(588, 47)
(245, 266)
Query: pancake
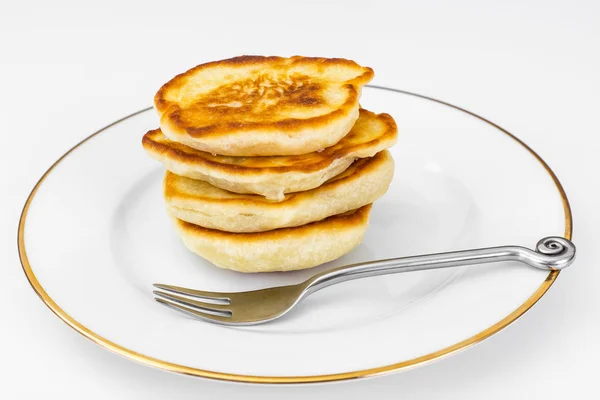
(202, 204)
(262, 106)
(284, 249)
(273, 176)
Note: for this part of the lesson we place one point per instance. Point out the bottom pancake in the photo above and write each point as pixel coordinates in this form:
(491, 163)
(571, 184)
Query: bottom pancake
(285, 249)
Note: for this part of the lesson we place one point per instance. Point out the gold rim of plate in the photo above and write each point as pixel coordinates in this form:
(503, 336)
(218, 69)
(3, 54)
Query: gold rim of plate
(154, 362)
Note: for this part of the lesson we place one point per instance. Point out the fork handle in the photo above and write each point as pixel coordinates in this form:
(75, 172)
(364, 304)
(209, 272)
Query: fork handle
(552, 253)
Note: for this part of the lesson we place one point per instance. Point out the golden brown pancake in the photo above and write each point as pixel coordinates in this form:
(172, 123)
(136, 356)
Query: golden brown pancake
(203, 204)
(272, 176)
(262, 106)
(284, 249)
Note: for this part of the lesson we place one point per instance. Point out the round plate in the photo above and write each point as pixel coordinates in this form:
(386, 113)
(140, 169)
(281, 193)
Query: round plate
(94, 237)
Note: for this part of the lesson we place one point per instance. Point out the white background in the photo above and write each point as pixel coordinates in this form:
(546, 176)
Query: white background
(531, 66)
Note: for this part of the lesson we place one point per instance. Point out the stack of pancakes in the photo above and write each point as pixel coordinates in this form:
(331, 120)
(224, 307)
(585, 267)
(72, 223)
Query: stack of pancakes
(271, 163)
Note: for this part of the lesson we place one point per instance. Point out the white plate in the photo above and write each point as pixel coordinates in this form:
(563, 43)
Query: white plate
(94, 236)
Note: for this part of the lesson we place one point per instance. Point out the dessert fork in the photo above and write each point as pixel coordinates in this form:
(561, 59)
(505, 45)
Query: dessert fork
(264, 305)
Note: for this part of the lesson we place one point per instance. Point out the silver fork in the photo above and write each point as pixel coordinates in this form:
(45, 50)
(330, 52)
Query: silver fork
(259, 306)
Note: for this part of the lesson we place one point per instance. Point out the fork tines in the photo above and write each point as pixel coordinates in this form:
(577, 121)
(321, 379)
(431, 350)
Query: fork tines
(195, 303)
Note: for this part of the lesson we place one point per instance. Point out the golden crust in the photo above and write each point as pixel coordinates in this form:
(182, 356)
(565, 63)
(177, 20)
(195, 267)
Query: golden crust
(283, 249)
(205, 205)
(252, 105)
(275, 175)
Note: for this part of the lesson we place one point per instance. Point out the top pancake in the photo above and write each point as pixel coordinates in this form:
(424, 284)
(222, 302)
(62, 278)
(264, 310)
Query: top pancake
(262, 106)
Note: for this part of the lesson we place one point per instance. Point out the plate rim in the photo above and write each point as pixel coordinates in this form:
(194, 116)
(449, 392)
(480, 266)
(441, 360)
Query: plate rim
(183, 369)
